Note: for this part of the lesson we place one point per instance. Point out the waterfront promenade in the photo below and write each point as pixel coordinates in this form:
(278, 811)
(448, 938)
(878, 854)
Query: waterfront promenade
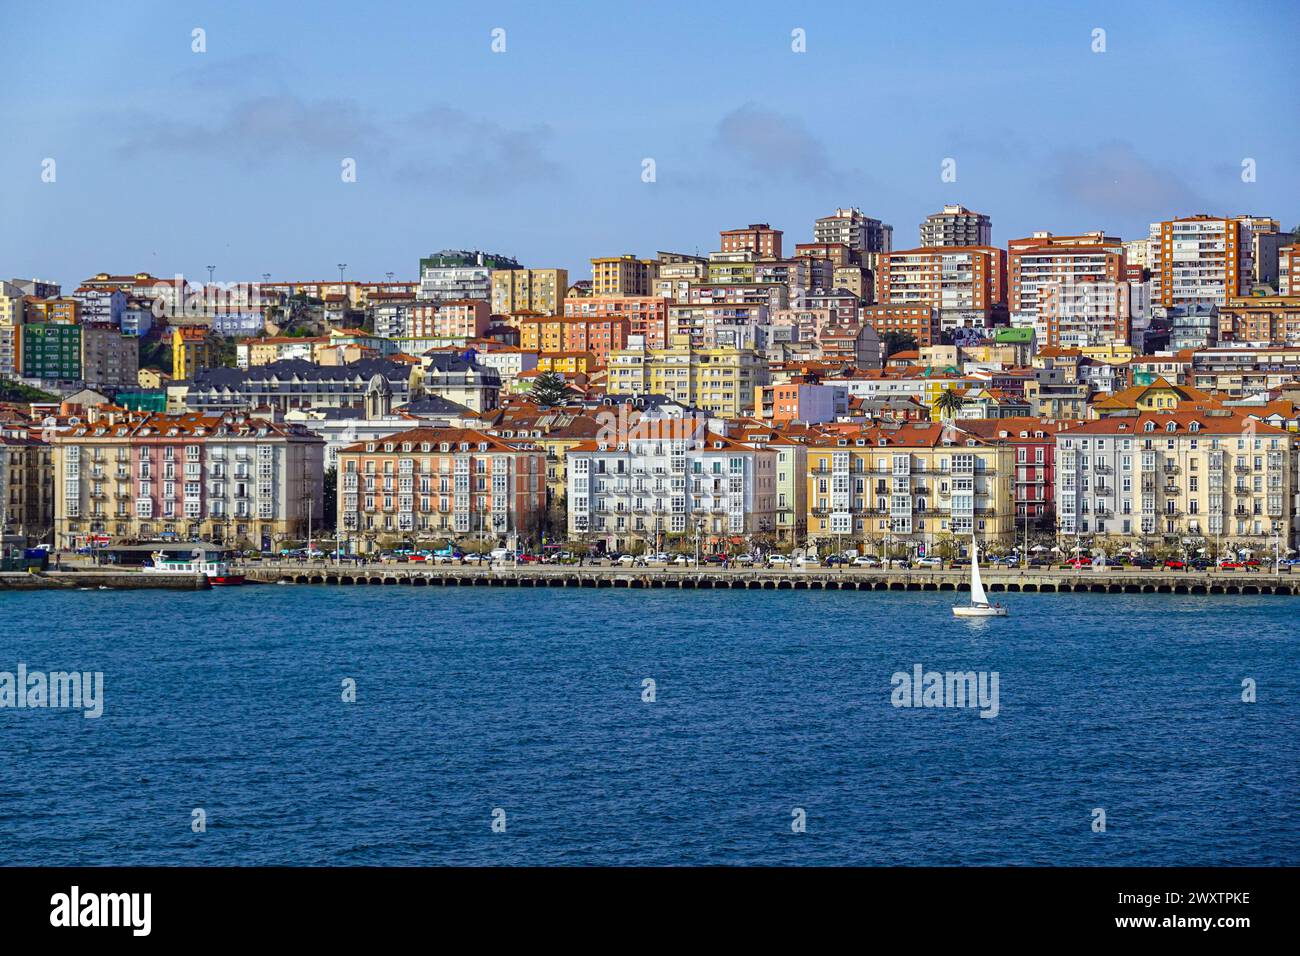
(1111, 579)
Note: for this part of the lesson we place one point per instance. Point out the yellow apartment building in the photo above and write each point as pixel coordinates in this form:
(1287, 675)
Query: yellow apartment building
(902, 487)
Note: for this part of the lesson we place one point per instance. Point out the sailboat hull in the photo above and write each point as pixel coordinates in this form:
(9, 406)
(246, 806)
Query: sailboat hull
(973, 611)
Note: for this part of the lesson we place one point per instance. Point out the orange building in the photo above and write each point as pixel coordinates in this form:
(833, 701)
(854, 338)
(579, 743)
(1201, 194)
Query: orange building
(449, 319)
(646, 315)
(758, 238)
(440, 483)
(559, 334)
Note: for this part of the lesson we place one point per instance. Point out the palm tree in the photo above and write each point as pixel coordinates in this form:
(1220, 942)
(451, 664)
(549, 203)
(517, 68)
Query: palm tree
(949, 403)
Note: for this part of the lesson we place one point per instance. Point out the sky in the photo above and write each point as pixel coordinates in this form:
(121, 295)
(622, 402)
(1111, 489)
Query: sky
(168, 160)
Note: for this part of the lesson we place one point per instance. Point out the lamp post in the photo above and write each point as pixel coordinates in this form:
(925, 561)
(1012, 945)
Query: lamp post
(342, 266)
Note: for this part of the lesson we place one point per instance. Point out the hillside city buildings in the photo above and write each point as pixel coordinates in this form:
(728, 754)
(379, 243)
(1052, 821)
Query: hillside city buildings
(788, 389)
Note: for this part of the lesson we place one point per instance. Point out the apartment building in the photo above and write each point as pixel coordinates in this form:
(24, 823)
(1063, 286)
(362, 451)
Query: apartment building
(919, 320)
(12, 314)
(109, 358)
(720, 380)
(456, 274)
(800, 401)
(232, 477)
(624, 275)
(1199, 260)
(528, 290)
(193, 349)
(1033, 441)
(1260, 321)
(448, 319)
(676, 273)
(907, 486)
(430, 483)
(758, 238)
(1186, 477)
(49, 351)
(671, 477)
(26, 486)
(1288, 272)
(711, 325)
(957, 226)
(1238, 372)
(599, 336)
(1072, 290)
(964, 284)
(646, 315)
(865, 238)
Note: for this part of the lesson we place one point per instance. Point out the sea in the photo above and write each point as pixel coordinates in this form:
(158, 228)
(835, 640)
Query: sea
(371, 725)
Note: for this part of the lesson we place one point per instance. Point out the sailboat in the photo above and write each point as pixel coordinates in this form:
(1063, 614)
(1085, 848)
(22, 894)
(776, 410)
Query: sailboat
(979, 601)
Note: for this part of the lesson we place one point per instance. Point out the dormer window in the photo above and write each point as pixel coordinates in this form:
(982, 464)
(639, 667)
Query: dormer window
(1149, 427)
(370, 446)
(388, 446)
(1171, 427)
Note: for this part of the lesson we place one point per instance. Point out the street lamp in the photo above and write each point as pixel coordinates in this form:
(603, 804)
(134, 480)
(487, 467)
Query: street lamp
(342, 267)
(211, 269)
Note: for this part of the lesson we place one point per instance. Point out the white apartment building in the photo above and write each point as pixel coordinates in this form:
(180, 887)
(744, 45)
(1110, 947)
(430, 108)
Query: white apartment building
(671, 477)
(1185, 477)
(957, 226)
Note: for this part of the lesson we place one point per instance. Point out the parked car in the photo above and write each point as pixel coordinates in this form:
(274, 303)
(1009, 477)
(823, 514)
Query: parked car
(743, 560)
(930, 562)
(866, 561)
(778, 561)
(628, 560)
(835, 560)
(1077, 563)
(1173, 564)
(1229, 565)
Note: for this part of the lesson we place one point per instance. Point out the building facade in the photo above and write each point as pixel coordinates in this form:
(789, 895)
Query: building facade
(233, 478)
(430, 483)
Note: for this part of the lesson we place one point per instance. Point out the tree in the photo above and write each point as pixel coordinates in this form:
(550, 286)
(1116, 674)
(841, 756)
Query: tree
(949, 403)
(897, 342)
(549, 389)
(18, 392)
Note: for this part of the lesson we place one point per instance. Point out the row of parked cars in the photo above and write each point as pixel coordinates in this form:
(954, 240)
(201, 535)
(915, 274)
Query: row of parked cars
(1173, 564)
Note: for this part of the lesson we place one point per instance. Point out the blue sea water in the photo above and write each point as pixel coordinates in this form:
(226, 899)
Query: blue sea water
(469, 700)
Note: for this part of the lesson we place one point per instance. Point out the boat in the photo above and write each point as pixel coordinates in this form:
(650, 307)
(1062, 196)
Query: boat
(217, 571)
(979, 601)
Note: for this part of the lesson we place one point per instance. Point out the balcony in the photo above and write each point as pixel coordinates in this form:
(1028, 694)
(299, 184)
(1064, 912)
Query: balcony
(1172, 490)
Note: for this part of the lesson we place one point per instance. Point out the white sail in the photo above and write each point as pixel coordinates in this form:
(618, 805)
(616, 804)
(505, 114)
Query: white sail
(977, 595)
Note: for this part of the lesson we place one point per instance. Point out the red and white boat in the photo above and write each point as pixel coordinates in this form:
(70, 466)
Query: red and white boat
(217, 571)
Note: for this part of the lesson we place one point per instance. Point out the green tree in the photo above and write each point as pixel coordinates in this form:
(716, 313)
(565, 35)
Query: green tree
(897, 342)
(949, 403)
(18, 392)
(549, 389)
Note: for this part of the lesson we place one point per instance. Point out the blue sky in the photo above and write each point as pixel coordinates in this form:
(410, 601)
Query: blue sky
(170, 160)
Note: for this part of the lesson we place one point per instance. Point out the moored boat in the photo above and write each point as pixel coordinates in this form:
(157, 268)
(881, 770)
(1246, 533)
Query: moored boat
(217, 571)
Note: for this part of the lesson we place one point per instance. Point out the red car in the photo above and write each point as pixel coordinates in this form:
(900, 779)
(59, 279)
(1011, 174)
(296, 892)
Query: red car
(529, 559)
(1174, 565)
(1226, 565)
(1079, 563)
